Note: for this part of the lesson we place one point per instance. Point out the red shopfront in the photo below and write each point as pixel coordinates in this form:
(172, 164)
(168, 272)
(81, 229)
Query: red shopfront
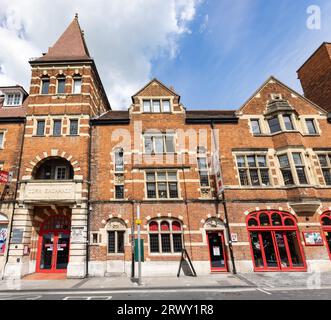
(326, 228)
(275, 241)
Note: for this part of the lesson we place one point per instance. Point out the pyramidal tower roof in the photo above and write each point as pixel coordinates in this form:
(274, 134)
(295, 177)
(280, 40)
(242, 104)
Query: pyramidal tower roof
(70, 46)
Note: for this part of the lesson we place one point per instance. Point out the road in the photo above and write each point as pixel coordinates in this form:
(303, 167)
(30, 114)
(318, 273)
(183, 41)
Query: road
(178, 294)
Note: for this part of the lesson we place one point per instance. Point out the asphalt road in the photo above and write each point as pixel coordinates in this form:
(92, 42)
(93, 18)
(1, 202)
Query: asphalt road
(182, 294)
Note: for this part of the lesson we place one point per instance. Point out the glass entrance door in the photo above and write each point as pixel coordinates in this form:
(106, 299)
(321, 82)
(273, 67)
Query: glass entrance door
(216, 251)
(53, 252)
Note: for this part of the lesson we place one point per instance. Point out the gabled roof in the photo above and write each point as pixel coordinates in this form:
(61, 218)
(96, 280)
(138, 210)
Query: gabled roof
(70, 46)
(170, 90)
(112, 117)
(272, 78)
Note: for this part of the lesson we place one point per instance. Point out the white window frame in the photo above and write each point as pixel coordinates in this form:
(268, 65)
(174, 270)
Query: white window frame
(258, 168)
(166, 181)
(289, 154)
(161, 100)
(15, 95)
(56, 172)
(76, 78)
(2, 144)
(171, 232)
(164, 137)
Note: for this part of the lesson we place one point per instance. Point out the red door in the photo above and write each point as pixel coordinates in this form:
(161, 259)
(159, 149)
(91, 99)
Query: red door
(326, 227)
(53, 251)
(217, 254)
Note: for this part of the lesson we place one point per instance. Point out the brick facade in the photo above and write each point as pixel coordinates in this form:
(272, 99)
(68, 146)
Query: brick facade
(99, 175)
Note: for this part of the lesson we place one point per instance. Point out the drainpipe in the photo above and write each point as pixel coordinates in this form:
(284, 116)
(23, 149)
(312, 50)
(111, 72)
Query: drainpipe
(88, 199)
(218, 200)
(14, 200)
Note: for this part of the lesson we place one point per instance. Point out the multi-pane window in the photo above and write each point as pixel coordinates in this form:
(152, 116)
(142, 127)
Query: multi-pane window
(253, 170)
(61, 83)
(13, 99)
(310, 123)
(159, 143)
(274, 124)
(77, 85)
(288, 122)
(40, 127)
(165, 236)
(116, 241)
(119, 191)
(156, 105)
(61, 173)
(256, 128)
(325, 162)
(299, 167)
(119, 160)
(73, 127)
(45, 85)
(203, 170)
(1, 139)
(162, 185)
(285, 168)
(57, 125)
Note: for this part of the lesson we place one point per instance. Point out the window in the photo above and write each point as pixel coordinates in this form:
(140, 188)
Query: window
(276, 96)
(311, 126)
(159, 143)
(1, 139)
(61, 82)
(165, 236)
(203, 170)
(300, 168)
(73, 127)
(288, 122)
(40, 127)
(285, 168)
(116, 241)
(95, 238)
(77, 85)
(274, 124)
(45, 85)
(253, 170)
(119, 192)
(255, 123)
(162, 185)
(57, 124)
(61, 173)
(156, 106)
(119, 160)
(13, 99)
(325, 162)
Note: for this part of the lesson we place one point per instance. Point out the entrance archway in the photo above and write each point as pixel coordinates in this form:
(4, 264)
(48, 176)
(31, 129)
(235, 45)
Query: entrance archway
(53, 245)
(326, 227)
(275, 241)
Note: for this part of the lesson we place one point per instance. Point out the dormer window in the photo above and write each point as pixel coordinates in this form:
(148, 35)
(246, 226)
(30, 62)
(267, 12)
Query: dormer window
(156, 105)
(13, 99)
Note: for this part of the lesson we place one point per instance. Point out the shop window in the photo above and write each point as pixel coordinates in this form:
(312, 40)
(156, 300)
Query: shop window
(276, 246)
(165, 236)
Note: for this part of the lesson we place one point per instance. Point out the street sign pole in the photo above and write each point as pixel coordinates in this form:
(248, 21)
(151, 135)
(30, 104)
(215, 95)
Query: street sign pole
(139, 244)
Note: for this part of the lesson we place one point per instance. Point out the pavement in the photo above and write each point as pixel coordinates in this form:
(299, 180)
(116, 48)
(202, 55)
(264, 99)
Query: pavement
(239, 281)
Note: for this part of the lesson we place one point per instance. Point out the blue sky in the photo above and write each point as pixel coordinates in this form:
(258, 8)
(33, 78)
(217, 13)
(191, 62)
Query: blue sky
(222, 62)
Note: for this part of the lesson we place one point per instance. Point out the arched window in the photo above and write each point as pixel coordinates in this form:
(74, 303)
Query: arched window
(165, 236)
(3, 232)
(116, 231)
(275, 241)
(53, 168)
(326, 227)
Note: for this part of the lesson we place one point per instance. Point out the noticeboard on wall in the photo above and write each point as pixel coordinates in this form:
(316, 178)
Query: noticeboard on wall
(313, 239)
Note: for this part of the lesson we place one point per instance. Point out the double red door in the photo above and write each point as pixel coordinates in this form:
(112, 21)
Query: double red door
(277, 250)
(53, 251)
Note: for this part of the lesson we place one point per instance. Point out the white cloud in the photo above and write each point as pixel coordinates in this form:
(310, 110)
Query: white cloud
(123, 36)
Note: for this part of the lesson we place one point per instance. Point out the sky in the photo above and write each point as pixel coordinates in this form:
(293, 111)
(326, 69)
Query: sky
(215, 53)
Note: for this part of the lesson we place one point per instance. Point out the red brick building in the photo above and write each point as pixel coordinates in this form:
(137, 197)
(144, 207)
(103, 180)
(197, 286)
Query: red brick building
(84, 170)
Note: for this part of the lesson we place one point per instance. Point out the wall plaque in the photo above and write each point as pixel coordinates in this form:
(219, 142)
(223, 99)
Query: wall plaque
(17, 236)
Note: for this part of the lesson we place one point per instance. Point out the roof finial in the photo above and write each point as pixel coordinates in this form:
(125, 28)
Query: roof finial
(76, 16)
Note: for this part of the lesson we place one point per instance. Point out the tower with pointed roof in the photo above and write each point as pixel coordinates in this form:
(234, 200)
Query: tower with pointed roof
(52, 210)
